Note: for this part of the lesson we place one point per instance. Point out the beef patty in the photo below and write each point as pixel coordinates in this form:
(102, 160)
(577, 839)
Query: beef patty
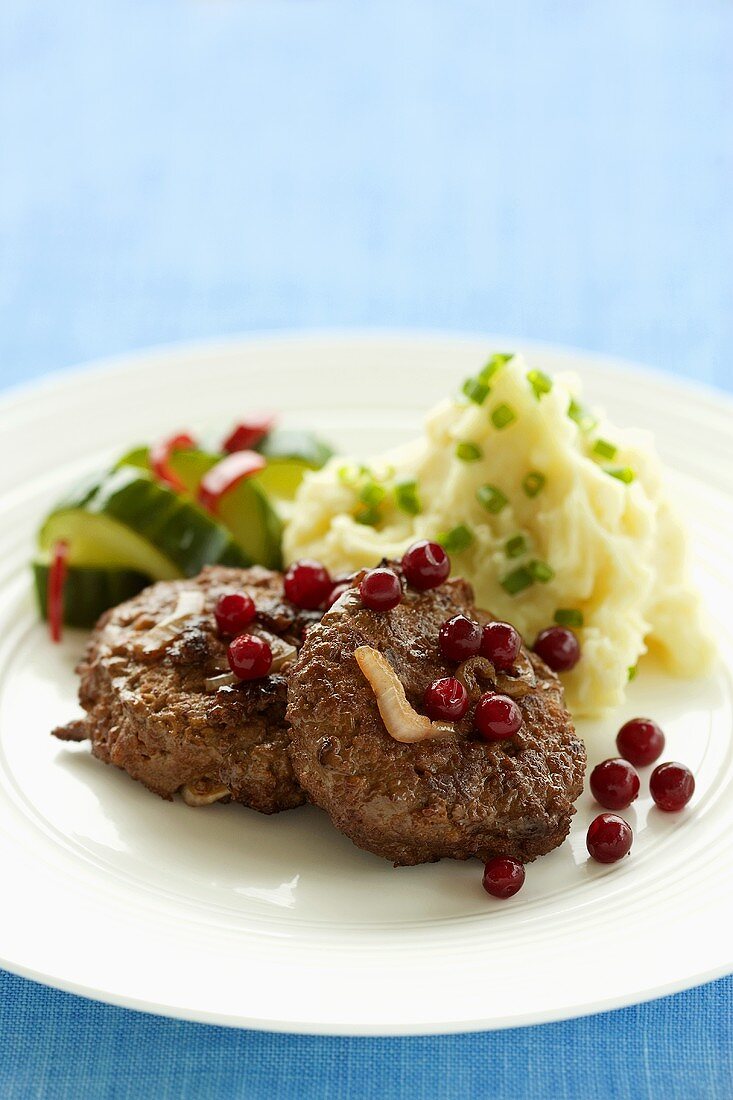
(455, 797)
(148, 709)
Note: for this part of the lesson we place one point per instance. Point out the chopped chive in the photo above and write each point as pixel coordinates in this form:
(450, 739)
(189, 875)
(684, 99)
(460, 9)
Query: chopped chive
(406, 498)
(517, 581)
(468, 452)
(622, 473)
(604, 449)
(492, 499)
(494, 365)
(540, 382)
(457, 539)
(502, 416)
(476, 390)
(541, 571)
(350, 474)
(584, 419)
(568, 616)
(633, 672)
(533, 483)
(372, 494)
(515, 546)
(369, 517)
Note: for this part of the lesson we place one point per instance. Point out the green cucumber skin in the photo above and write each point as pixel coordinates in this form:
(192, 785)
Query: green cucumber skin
(259, 537)
(180, 530)
(88, 592)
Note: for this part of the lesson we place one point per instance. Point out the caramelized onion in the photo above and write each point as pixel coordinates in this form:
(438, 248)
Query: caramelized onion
(202, 792)
(283, 653)
(401, 721)
(224, 679)
(473, 669)
(477, 669)
(521, 684)
(190, 603)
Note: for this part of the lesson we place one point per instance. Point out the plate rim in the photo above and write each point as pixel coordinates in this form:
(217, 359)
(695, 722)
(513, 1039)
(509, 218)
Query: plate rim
(49, 382)
(365, 1031)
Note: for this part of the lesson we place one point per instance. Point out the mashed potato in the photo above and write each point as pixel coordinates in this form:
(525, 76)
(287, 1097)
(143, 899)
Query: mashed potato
(551, 514)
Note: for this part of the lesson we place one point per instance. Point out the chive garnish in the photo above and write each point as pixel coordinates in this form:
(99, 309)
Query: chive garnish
(468, 452)
(540, 382)
(476, 390)
(517, 581)
(406, 498)
(372, 494)
(457, 539)
(349, 474)
(568, 616)
(533, 483)
(502, 416)
(584, 419)
(515, 546)
(604, 449)
(633, 672)
(492, 499)
(541, 571)
(622, 473)
(494, 365)
(368, 516)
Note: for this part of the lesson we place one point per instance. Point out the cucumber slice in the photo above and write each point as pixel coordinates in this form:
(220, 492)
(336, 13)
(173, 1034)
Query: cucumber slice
(281, 478)
(253, 522)
(299, 447)
(290, 455)
(129, 521)
(245, 511)
(88, 591)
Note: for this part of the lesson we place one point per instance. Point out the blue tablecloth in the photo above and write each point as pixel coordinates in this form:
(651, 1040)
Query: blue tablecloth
(559, 169)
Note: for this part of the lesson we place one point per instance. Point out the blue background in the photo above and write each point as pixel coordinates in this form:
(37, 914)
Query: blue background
(547, 168)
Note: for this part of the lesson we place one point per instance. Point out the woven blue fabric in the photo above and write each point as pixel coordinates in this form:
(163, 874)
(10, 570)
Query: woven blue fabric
(559, 169)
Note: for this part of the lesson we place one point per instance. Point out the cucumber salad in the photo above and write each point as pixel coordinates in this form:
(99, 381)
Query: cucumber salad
(164, 511)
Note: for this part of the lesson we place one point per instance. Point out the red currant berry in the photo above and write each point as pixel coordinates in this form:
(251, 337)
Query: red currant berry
(640, 741)
(234, 612)
(307, 584)
(459, 638)
(380, 589)
(614, 784)
(497, 717)
(609, 838)
(446, 700)
(425, 565)
(250, 657)
(503, 878)
(500, 643)
(558, 647)
(672, 786)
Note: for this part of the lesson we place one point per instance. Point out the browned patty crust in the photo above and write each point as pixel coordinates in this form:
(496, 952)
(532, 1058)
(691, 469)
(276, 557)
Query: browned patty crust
(414, 803)
(151, 714)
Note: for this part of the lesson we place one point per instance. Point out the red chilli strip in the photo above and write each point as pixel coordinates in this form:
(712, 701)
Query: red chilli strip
(248, 433)
(160, 457)
(226, 474)
(55, 590)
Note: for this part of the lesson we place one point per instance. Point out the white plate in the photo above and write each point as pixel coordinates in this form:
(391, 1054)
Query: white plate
(223, 915)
